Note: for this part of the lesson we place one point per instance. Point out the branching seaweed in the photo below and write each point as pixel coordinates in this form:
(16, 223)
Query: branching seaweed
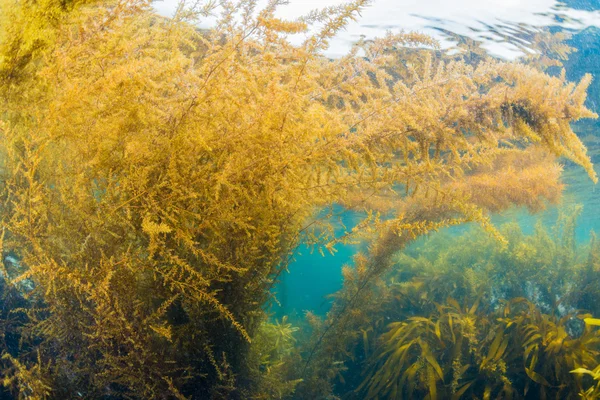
(155, 178)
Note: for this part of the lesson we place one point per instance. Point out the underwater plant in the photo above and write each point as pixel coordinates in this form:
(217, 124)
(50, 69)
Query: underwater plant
(31, 382)
(453, 352)
(272, 357)
(551, 348)
(156, 178)
(516, 352)
(500, 320)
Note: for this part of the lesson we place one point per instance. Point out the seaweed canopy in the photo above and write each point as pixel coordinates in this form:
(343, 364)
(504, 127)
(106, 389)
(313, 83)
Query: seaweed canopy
(156, 178)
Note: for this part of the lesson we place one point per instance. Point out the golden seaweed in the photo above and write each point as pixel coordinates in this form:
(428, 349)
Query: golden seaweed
(156, 179)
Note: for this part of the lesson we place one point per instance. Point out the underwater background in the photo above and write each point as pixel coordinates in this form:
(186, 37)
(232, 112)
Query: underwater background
(299, 200)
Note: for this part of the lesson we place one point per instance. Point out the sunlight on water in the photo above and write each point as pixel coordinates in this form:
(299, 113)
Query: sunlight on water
(490, 21)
